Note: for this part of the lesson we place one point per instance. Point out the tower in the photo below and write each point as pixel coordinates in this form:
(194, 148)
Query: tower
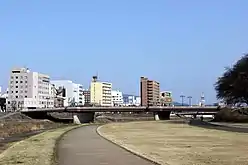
(202, 102)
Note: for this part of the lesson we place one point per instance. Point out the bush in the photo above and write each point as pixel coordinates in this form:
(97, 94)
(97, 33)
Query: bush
(232, 115)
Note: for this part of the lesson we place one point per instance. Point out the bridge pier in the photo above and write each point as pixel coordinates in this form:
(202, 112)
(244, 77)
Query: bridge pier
(162, 115)
(84, 117)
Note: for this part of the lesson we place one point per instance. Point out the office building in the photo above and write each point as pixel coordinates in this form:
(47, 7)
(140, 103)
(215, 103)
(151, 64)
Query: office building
(149, 92)
(73, 93)
(28, 90)
(86, 94)
(100, 93)
(117, 98)
(131, 100)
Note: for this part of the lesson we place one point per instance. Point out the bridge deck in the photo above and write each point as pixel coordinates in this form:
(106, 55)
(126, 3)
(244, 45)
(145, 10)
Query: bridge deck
(124, 109)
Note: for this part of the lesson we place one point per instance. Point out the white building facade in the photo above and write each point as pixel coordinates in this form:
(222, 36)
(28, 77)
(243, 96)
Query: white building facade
(117, 98)
(28, 90)
(73, 92)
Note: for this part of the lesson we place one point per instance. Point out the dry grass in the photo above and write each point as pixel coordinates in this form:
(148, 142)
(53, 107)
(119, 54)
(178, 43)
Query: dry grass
(37, 150)
(11, 128)
(179, 144)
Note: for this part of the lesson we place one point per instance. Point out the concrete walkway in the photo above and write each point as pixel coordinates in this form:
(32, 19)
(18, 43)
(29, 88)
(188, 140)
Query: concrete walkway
(83, 146)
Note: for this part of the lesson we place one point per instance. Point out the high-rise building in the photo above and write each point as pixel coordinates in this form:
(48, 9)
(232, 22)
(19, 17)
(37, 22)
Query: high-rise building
(86, 94)
(100, 93)
(149, 92)
(73, 94)
(117, 98)
(28, 90)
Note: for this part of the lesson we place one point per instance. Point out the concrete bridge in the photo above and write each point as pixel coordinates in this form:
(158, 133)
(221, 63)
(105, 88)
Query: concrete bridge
(86, 114)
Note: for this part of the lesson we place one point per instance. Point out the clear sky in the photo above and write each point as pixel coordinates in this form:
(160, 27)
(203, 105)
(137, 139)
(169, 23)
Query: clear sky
(184, 45)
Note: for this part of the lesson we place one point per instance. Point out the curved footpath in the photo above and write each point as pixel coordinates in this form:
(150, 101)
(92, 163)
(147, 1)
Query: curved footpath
(83, 146)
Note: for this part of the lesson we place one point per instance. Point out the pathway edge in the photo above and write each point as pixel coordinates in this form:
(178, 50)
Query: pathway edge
(126, 148)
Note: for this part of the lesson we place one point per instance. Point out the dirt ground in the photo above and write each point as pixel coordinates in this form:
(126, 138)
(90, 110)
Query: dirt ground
(179, 144)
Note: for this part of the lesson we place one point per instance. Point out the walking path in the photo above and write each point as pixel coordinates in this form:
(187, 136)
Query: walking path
(83, 146)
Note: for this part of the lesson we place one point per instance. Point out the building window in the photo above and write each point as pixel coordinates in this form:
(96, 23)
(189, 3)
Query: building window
(26, 81)
(16, 91)
(17, 97)
(26, 91)
(16, 77)
(26, 96)
(12, 77)
(21, 81)
(16, 86)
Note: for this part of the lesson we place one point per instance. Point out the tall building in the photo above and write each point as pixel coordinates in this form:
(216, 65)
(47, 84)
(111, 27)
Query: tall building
(86, 94)
(28, 90)
(73, 94)
(149, 92)
(100, 93)
(117, 98)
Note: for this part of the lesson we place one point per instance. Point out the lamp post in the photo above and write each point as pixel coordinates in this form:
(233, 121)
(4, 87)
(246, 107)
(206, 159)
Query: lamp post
(190, 97)
(182, 96)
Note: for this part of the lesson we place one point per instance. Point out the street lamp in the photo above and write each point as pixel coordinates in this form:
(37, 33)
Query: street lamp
(189, 97)
(182, 96)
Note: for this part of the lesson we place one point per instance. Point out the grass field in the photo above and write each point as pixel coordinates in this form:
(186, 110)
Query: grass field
(179, 144)
(36, 150)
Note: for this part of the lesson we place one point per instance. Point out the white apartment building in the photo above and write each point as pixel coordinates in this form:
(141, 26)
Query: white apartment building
(73, 92)
(117, 98)
(100, 93)
(28, 89)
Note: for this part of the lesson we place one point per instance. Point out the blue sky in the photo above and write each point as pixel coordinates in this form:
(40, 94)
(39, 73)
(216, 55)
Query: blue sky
(184, 45)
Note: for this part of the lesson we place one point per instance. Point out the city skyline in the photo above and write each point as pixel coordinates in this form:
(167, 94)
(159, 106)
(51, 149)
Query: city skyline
(184, 46)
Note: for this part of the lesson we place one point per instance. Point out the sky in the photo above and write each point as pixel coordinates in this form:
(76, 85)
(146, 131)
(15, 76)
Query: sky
(184, 45)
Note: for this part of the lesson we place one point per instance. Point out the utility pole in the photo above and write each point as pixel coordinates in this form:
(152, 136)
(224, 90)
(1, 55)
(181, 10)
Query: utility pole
(190, 97)
(182, 96)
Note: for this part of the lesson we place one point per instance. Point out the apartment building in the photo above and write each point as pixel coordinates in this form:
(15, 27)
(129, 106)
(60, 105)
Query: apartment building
(73, 93)
(86, 94)
(166, 98)
(100, 93)
(149, 92)
(28, 89)
(117, 98)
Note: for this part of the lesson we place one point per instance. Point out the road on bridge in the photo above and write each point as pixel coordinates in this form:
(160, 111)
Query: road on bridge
(83, 146)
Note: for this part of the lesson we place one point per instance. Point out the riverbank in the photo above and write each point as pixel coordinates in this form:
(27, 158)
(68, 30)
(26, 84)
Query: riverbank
(36, 150)
(166, 142)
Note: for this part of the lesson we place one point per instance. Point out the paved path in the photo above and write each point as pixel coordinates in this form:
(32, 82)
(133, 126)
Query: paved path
(83, 146)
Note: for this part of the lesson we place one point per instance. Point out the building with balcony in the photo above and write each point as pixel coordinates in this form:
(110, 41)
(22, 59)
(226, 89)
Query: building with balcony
(117, 98)
(86, 94)
(149, 92)
(28, 89)
(166, 98)
(73, 93)
(100, 93)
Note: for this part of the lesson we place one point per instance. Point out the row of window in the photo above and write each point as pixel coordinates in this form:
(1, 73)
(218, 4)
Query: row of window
(11, 82)
(26, 86)
(18, 91)
(21, 77)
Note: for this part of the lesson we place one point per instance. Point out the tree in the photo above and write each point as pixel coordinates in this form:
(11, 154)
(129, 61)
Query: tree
(232, 86)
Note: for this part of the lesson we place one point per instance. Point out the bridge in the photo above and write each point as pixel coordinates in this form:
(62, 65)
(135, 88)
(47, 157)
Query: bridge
(86, 114)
